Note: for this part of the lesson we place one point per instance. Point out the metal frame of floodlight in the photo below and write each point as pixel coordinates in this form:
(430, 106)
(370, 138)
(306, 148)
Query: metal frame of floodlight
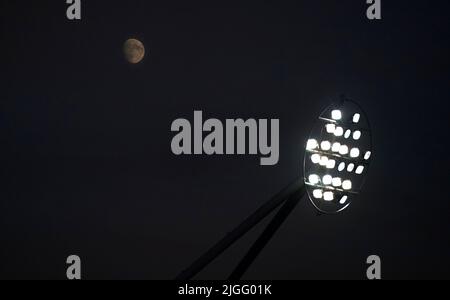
(359, 162)
(287, 199)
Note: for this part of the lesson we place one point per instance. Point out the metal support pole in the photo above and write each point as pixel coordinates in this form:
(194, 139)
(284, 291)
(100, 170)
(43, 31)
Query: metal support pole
(241, 230)
(267, 235)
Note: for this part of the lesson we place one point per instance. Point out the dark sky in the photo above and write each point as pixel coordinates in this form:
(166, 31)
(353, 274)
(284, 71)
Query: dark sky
(85, 137)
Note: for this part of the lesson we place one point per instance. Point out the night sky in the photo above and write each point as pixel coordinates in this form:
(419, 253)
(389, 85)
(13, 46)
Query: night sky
(85, 137)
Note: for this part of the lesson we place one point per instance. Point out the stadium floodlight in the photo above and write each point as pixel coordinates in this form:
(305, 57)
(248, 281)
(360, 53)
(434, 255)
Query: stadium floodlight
(336, 147)
(325, 146)
(331, 164)
(314, 179)
(318, 194)
(329, 179)
(331, 128)
(328, 196)
(336, 114)
(337, 182)
(350, 167)
(339, 131)
(316, 158)
(343, 200)
(323, 161)
(312, 145)
(348, 133)
(353, 154)
(360, 170)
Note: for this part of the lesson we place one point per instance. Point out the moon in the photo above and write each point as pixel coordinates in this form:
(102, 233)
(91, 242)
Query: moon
(134, 51)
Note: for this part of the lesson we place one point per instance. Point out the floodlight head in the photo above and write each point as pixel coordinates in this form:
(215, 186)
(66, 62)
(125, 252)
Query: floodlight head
(337, 157)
